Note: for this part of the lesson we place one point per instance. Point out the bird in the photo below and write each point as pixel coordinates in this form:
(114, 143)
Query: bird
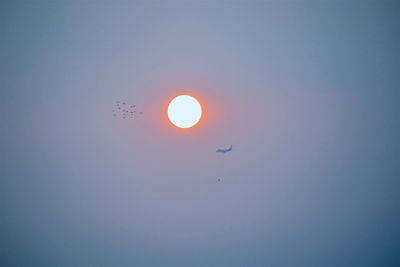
(224, 150)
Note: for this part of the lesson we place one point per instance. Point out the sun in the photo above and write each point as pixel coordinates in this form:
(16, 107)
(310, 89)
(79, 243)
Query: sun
(184, 111)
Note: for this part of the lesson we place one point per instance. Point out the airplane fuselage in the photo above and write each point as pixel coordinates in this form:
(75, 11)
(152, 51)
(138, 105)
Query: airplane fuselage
(224, 150)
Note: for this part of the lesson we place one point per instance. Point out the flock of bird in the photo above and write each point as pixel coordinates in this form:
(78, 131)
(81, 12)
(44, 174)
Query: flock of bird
(125, 111)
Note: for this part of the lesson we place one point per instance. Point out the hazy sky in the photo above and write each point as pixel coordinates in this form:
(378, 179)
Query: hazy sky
(307, 93)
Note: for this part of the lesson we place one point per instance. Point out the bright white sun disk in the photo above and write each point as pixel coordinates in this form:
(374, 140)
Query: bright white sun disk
(184, 111)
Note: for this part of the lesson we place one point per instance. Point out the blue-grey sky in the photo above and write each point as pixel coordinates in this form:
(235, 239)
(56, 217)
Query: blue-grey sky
(307, 93)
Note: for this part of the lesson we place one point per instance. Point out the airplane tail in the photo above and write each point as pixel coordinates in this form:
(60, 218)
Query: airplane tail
(230, 148)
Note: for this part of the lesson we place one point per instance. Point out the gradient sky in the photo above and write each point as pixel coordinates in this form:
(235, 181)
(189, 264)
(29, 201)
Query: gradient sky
(307, 93)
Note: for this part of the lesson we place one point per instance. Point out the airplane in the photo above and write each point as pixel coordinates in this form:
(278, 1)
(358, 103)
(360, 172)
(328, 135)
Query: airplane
(224, 150)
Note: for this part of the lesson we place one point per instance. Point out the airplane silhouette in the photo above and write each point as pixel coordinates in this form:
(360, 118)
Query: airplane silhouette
(224, 150)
